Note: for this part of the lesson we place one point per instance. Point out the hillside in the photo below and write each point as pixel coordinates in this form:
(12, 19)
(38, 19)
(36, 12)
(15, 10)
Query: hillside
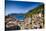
(39, 9)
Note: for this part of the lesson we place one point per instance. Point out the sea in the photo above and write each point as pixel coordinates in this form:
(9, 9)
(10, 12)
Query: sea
(20, 17)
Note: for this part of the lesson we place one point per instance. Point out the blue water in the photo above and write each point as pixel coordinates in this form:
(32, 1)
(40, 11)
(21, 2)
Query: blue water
(20, 17)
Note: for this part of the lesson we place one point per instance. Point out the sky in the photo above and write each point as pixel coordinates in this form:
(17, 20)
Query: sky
(19, 6)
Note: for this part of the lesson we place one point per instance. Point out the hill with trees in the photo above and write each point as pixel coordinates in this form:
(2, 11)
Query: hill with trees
(39, 9)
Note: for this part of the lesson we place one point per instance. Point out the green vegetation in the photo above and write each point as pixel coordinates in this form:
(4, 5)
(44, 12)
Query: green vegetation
(36, 10)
